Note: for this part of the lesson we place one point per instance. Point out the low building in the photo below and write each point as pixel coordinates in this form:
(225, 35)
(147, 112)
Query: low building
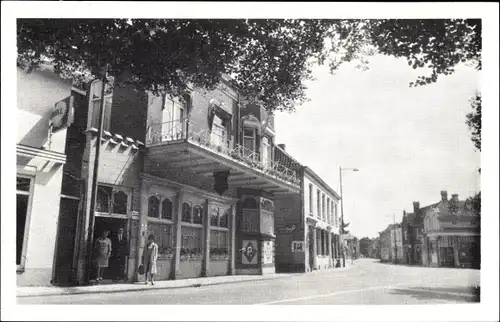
(43, 111)
(307, 226)
(451, 234)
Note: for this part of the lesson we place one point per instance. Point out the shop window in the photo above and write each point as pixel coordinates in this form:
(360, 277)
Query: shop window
(249, 203)
(166, 209)
(191, 243)
(164, 238)
(153, 207)
(186, 212)
(23, 200)
(120, 203)
(198, 215)
(214, 217)
(219, 244)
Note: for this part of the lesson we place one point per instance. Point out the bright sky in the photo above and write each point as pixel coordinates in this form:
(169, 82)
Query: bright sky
(409, 143)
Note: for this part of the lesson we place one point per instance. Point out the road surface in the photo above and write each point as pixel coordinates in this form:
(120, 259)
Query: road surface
(368, 282)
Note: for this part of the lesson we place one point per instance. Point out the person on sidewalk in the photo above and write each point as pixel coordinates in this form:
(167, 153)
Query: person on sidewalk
(102, 252)
(149, 257)
(120, 253)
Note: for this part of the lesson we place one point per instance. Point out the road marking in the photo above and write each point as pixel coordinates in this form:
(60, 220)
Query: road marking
(329, 294)
(435, 292)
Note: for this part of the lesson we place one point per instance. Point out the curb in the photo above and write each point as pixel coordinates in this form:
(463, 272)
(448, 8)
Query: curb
(133, 287)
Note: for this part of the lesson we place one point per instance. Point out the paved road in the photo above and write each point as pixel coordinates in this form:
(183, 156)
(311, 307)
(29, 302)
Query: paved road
(368, 282)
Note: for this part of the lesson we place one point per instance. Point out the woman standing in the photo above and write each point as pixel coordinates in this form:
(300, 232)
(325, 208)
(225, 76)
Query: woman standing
(102, 251)
(149, 257)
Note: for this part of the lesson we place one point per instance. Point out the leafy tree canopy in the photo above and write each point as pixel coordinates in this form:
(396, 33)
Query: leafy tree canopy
(270, 60)
(474, 120)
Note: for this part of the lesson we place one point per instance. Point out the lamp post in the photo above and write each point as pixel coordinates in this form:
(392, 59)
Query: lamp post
(342, 204)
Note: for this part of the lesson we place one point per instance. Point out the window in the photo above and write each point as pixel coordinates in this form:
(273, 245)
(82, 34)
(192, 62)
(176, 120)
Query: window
(173, 122)
(95, 103)
(218, 136)
(191, 242)
(23, 200)
(328, 213)
(249, 140)
(166, 209)
(266, 152)
(323, 214)
(198, 215)
(249, 203)
(218, 244)
(153, 207)
(224, 218)
(310, 199)
(318, 203)
(111, 200)
(335, 211)
(164, 238)
(186, 212)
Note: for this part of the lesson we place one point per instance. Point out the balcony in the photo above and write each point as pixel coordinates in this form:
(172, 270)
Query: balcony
(184, 147)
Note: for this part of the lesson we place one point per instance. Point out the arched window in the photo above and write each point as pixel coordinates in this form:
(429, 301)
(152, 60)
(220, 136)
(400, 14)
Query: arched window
(197, 215)
(153, 207)
(120, 203)
(214, 217)
(103, 198)
(186, 212)
(249, 203)
(224, 218)
(166, 209)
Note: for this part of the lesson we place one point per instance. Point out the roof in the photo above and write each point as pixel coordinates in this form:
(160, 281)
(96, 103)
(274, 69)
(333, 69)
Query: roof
(462, 218)
(316, 177)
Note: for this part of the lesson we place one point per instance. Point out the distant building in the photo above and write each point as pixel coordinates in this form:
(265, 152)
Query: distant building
(385, 245)
(451, 234)
(412, 226)
(396, 243)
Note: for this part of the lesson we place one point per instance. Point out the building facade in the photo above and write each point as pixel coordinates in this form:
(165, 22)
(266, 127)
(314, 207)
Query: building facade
(412, 226)
(307, 226)
(385, 246)
(396, 236)
(201, 173)
(451, 234)
(43, 111)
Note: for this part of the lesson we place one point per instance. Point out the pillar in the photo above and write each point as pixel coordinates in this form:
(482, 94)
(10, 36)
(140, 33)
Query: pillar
(205, 271)
(178, 234)
(455, 251)
(232, 241)
(315, 249)
(330, 249)
(142, 227)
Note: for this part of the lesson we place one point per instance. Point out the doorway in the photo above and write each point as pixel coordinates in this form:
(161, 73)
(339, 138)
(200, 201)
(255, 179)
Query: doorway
(310, 239)
(112, 225)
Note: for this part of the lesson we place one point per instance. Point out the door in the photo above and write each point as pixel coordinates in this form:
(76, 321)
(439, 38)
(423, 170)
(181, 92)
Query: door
(112, 225)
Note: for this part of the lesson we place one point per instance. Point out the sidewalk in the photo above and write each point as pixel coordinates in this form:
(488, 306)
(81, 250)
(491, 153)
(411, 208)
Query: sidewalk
(170, 284)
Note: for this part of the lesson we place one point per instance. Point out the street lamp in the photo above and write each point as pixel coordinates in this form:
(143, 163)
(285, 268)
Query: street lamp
(342, 205)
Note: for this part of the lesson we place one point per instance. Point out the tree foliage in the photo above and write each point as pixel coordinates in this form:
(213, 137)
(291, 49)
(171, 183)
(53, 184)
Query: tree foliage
(269, 59)
(474, 120)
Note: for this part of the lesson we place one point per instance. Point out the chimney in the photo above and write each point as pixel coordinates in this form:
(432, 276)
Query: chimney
(454, 196)
(444, 195)
(416, 206)
(282, 146)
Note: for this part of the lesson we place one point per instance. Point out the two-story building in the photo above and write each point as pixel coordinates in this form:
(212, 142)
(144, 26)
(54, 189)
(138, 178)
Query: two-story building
(200, 172)
(43, 111)
(412, 226)
(307, 226)
(451, 234)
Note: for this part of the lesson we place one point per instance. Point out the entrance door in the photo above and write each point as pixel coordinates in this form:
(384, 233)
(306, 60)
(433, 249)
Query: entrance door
(112, 225)
(311, 241)
(446, 257)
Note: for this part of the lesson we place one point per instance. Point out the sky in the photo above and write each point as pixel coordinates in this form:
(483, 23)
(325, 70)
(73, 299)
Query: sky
(408, 143)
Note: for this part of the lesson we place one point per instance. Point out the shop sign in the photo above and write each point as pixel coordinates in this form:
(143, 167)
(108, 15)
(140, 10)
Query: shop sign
(297, 246)
(61, 115)
(268, 252)
(249, 252)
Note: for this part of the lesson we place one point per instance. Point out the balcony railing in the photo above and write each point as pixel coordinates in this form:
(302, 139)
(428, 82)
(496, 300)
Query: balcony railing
(184, 129)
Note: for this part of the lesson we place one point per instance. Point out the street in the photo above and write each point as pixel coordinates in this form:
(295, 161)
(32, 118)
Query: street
(368, 282)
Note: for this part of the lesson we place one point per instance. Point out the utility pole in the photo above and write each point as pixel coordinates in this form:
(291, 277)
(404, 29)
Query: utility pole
(93, 196)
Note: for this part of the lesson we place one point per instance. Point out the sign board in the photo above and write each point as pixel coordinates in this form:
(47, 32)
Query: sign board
(249, 252)
(297, 246)
(268, 252)
(61, 116)
(288, 229)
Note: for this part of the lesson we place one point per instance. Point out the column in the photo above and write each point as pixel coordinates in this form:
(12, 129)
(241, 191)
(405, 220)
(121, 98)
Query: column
(330, 249)
(142, 227)
(206, 241)
(455, 250)
(232, 241)
(315, 249)
(178, 234)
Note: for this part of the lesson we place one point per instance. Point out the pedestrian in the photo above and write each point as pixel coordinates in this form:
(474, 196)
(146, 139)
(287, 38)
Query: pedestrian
(102, 252)
(149, 257)
(120, 253)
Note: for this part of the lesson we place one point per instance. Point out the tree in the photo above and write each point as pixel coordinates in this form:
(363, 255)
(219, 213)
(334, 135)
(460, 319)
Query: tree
(474, 120)
(269, 59)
